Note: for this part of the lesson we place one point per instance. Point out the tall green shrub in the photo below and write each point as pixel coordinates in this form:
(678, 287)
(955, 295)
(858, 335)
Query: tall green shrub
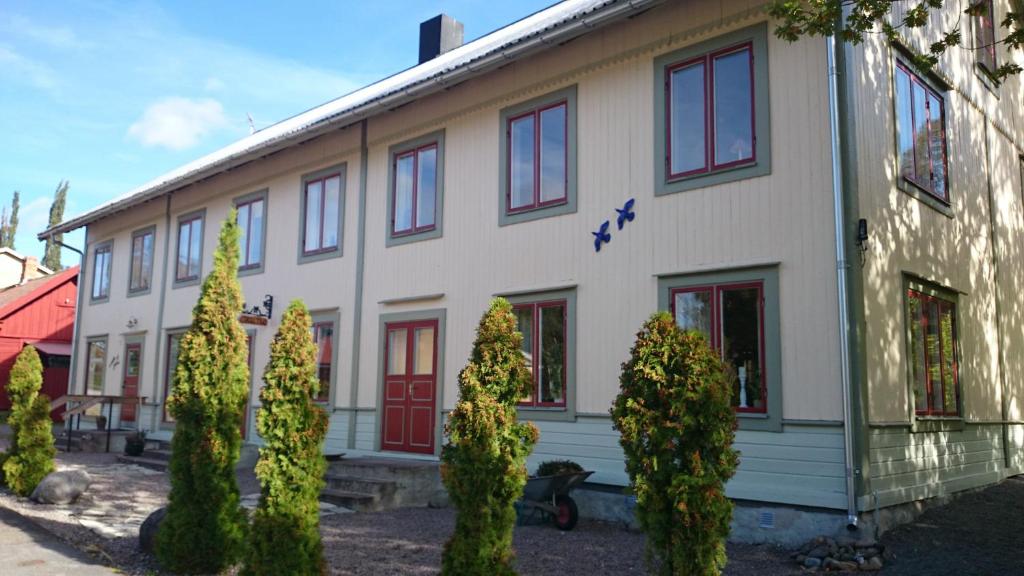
(285, 535)
(30, 456)
(205, 528)
(674, 414)
(483, 465)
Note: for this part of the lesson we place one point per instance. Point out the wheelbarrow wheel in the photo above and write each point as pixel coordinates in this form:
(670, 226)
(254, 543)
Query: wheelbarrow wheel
(567, 515)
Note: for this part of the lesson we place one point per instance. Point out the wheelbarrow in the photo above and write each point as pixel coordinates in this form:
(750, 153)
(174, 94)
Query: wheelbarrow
(549, 496)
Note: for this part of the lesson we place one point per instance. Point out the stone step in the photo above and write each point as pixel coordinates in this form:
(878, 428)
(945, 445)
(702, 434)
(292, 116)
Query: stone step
(351, 500)
(157, 454)
(144, 461)
(384, 490)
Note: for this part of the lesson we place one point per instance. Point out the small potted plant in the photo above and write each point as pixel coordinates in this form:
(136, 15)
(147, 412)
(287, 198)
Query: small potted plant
(101, 422)
(134, 445)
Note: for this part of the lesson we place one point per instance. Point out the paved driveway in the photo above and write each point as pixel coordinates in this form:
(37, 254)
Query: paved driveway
(28, 550)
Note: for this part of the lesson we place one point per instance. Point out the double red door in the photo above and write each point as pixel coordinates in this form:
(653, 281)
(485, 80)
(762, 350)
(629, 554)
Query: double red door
(410, 387)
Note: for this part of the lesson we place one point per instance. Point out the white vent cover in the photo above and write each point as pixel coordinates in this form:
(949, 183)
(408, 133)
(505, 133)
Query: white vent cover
(766, 519)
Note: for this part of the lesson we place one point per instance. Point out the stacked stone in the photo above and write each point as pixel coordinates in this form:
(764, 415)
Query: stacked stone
(842, 554)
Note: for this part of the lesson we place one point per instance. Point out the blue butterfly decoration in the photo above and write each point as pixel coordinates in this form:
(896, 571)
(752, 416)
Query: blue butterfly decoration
(626, 214)
(602, 235)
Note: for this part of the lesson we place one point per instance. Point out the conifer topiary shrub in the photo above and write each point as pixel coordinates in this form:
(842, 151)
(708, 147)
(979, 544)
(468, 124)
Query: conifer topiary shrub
(674, 414)
(285, 535)
(205, 527)
(483, 465)
(30, 456)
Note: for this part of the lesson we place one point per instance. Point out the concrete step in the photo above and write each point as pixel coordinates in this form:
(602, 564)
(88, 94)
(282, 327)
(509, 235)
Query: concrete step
(157, 454)
(157, 464)
(351, 500)
(382, 489)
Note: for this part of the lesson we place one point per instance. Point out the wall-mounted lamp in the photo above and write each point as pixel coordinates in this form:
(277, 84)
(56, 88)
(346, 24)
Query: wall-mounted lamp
(862, 238)
(132, 322)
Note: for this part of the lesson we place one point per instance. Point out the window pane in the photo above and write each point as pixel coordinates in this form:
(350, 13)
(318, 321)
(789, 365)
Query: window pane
(97, 362)
(741, 344)
(734, 105)
(552, 354)
(426, 187)
(403, 193)
(522, 161)
(332, 196)
(918, 362)
(243, 225)
(256, 234)
(323, 335)
(524, 324)
(173, 342)
(136, 268)
(921, 162)
(693, 311)
(984, 27)
(904, 124)
(397, 351)
(97, 275)
(552, 153)
(933, 350)
(195, 249)
(131, 362)
(184, 244)
(947, 336)
(686, 110)
(312, 234)
(105, 275)
(423, 351)
(936, 136)
(147, 261)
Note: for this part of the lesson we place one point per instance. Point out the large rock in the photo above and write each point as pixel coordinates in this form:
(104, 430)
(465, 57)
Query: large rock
(149, 528)
(63, 487)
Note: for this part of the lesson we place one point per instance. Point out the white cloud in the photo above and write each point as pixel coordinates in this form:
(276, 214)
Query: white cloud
(178, 123)
(53, 36)
(27, 70)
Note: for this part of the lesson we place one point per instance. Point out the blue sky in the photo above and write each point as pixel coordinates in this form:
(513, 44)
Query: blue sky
(110, 95)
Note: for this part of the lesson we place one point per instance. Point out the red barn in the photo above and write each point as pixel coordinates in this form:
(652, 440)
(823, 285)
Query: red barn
(40, 312)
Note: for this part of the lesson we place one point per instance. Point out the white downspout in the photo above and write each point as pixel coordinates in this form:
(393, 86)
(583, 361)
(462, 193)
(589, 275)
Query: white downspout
(841, 278)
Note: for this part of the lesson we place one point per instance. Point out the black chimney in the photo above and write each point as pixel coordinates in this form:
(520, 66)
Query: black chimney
(439, 35)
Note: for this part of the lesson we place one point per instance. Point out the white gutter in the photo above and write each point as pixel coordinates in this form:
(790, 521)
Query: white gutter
(554, 25)
(842, 266)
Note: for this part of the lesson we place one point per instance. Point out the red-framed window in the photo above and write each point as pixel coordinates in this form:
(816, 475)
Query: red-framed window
(921, 127)
(731, 316)
(709, 112)
(933, 354)
(250, 221)
(543, 326)
(985, 35)
(414, 195)
(538, 158)
(320, 221)
(101, 272)
(190, 236)
(323, 337)
(141, 269)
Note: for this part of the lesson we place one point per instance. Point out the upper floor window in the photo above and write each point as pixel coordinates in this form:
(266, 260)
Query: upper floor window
(101, 271)
(141, 270)
(323, 337)
(538, 166)
(190, 248)
(712, 112)
(932, 336)
(985, 35)
(252, 225)
(322, 202)
(415, 190)
(921, 127)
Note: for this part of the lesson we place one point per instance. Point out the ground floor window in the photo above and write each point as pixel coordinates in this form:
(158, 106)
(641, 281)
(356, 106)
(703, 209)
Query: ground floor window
(96, 366)
(932, 342)
(323, 337)
(173, 345)
(731, 316)
(737, 311)
(547, 321)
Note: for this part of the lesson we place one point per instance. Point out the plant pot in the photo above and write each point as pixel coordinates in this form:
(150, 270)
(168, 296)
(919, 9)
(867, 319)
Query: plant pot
(134, 446)
(101, 422)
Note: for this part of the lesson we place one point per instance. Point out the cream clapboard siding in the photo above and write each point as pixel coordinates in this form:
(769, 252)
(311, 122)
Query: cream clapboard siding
(783, 220)
(985, 135)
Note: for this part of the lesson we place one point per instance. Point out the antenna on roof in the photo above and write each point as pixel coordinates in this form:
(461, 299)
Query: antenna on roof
(252, 126)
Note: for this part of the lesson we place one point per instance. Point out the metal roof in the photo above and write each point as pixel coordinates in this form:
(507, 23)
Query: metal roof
(532, 34)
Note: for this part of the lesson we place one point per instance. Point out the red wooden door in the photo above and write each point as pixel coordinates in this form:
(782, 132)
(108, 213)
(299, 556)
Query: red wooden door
(410, 387)
(130, 388)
